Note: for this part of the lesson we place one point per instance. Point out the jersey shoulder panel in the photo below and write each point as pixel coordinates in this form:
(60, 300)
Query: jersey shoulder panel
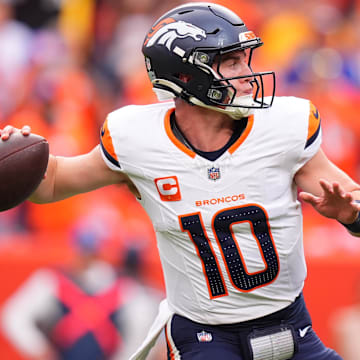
(298, 116)
(285, 121)
(292, 126)
(125, 129)
(290, 106)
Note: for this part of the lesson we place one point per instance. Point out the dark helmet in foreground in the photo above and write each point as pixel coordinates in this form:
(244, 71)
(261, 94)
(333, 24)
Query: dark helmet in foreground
(187, 41)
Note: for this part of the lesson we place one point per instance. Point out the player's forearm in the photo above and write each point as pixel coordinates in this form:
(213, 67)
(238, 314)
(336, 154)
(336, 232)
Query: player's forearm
(45, 192)
(62, 180)
(69, 176)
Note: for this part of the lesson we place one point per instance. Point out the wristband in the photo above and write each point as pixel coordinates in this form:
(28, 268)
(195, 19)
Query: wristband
(355, 226)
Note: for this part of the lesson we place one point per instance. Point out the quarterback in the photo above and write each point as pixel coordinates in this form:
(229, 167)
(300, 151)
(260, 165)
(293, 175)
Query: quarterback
(217, 165)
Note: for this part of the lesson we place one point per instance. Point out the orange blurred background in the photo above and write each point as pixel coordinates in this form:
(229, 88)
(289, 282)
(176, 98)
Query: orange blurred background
(62, 69)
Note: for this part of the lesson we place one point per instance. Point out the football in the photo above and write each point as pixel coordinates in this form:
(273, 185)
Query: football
(23, 162)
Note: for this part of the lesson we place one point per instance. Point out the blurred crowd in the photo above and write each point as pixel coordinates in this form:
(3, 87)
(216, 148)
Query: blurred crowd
(65, 64)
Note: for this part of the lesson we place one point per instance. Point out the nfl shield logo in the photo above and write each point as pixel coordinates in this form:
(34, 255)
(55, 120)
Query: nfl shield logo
(204, 336)
(214, 173)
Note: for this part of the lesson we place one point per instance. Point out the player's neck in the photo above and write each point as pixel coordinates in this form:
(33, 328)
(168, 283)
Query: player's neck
(205, 129)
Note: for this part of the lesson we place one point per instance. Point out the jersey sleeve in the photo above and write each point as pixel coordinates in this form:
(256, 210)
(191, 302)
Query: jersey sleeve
(107, 147)
(313, 139)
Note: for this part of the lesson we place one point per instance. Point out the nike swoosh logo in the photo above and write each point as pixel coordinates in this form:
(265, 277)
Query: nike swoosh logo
(316, 114)
(302, 332)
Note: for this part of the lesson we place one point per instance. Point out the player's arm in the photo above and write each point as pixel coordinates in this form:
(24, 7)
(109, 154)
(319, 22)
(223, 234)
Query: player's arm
(329, 190)
(68, 176)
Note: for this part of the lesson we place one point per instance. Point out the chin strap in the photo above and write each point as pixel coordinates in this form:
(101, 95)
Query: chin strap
(236, 112)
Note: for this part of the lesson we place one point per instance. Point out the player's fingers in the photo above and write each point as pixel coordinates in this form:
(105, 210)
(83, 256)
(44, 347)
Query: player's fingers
(344, 195)
(307, 197)
(338, 190)
(326, 186)
(26, 130)
(6, 132)
(348, 196)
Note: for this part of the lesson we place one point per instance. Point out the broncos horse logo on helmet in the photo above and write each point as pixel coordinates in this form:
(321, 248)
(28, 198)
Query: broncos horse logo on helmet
(169, 29)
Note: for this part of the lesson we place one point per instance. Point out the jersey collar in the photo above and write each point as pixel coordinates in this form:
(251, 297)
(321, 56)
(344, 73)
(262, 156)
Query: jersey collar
(192, 153)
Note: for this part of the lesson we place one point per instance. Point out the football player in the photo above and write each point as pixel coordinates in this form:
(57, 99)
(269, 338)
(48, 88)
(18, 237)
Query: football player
(217, 167)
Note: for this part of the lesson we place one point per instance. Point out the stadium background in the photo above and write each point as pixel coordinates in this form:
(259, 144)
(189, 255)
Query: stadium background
(65, 64)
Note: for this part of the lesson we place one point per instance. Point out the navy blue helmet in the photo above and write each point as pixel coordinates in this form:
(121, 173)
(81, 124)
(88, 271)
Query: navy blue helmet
(186, 42)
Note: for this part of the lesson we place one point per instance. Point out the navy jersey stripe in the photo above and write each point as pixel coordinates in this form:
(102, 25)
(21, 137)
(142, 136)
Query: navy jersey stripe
(314, 136)
(109, 157)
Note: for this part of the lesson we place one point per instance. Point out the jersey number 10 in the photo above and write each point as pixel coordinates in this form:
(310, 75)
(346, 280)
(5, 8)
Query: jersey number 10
(222, 223)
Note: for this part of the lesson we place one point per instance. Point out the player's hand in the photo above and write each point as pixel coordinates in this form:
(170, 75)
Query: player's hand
(335, 202)
(6, 132)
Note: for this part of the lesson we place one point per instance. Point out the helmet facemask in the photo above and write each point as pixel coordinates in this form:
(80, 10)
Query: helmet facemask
(222, 94)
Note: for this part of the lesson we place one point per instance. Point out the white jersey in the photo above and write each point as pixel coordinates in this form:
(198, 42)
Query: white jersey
(229, 231)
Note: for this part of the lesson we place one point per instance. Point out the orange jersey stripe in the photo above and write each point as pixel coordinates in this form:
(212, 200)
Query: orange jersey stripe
(173, 138)
(313, 126)
(314, 121)
(107, 144)
(191, 153)
(243, 136)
